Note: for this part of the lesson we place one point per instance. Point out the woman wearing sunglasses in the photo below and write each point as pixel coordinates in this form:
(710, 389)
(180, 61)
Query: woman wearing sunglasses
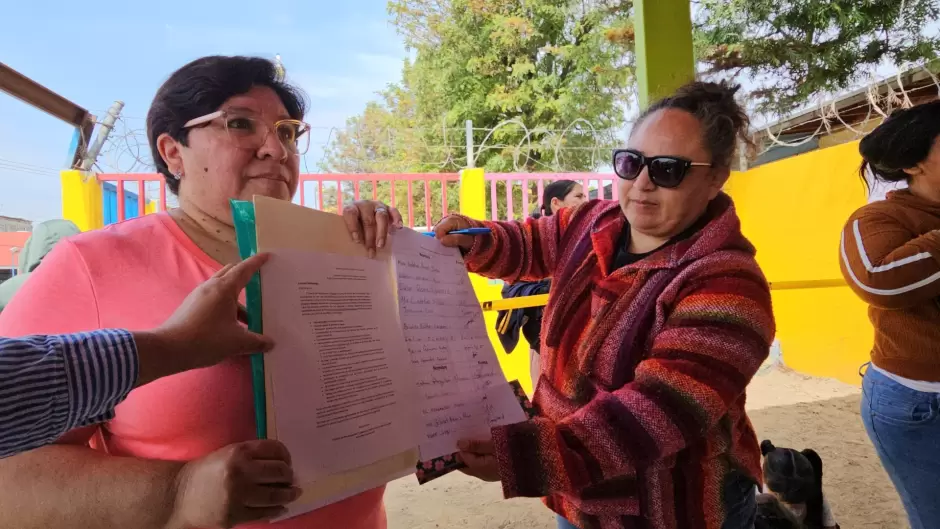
(657, 320)
(177, 450)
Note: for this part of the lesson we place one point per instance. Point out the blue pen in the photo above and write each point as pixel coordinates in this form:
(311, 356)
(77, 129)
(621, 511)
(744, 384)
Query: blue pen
(468, 231)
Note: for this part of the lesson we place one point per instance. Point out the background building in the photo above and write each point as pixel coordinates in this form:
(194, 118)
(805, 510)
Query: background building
(14, 224)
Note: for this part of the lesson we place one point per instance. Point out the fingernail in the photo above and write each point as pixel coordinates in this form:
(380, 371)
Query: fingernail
(371, 253)
(463, 445)
(355, 236)
(380, 243)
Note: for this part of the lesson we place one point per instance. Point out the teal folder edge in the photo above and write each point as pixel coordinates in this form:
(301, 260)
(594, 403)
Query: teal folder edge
(243, 213)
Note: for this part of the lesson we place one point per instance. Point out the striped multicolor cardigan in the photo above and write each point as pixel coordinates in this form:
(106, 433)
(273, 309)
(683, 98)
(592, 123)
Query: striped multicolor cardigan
(641, 396)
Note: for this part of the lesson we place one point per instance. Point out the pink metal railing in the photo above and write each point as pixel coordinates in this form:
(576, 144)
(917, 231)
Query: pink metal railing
(337, 187)
(511, 181)
(328, 192)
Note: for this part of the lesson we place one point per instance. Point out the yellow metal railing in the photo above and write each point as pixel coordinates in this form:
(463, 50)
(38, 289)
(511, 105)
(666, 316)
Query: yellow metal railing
(524, 302)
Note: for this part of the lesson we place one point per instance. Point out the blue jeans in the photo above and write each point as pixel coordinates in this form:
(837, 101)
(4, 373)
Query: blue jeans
(740, 499)
(904, 426)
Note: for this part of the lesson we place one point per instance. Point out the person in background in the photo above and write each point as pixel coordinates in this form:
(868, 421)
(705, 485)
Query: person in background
(558, 195)
(658, 319)
(509, 323)
(45, 236)
(220, 128)
(890, 255)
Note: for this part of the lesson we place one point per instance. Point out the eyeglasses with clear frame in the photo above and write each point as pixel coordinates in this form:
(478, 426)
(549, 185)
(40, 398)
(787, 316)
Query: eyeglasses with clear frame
(247, 131)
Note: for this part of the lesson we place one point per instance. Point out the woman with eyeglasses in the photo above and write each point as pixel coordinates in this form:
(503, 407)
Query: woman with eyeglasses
(658, 318)
(177, 451)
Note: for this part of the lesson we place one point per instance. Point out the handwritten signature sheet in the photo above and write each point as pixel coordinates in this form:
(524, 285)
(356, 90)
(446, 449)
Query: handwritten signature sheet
(461, 389)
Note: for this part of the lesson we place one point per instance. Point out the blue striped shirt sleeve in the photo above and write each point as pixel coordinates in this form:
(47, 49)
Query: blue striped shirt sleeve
(52, 384)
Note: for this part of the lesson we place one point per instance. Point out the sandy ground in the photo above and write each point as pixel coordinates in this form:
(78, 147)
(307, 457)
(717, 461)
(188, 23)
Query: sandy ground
(790, 409)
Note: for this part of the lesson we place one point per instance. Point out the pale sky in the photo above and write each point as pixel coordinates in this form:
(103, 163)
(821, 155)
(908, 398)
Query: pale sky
(340, 53)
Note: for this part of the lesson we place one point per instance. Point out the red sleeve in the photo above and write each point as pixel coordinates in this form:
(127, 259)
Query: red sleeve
(712, 344)
(58, 298)
(519, 250)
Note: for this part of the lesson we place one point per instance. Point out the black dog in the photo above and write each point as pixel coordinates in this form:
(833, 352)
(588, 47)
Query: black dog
(795, 478)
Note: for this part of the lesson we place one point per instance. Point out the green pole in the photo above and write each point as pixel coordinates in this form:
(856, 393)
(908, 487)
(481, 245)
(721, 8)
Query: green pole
(664, 58)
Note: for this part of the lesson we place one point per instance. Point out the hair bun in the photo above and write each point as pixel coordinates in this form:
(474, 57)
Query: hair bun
(716, 92)
(724, 121)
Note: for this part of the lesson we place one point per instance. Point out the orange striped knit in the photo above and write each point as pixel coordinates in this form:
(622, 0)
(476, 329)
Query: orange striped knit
(641, 396)
(891, 258)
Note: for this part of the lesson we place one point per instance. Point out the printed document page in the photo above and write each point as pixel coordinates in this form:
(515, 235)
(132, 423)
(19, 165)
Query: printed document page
(344, 399)
(284, 226)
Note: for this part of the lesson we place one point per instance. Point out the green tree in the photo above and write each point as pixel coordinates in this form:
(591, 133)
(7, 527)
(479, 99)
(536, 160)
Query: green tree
(796, 51)
(548, 64)
(545, 83)
(385, 139)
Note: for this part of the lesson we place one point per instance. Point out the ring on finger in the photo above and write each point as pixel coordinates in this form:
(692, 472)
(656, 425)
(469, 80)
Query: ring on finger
(381, 209)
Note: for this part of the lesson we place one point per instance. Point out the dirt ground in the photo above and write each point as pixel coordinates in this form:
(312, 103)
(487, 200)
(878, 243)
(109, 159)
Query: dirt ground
(790, 409)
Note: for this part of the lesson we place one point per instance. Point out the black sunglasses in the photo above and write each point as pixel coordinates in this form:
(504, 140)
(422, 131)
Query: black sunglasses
(664, 171)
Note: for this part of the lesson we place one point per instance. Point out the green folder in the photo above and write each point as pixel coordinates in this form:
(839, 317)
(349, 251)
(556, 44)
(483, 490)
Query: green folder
(243, 213)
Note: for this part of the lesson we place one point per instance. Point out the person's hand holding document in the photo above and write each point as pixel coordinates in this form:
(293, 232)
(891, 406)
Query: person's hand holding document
(382, 358)
(479, 456)
(369, 223)
(243, 482)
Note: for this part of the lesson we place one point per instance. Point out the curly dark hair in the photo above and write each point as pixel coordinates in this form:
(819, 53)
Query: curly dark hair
(200, 88)
(724, 121)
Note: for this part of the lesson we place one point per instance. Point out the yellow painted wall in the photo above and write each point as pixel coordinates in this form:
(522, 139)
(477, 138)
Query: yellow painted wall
(793, 210)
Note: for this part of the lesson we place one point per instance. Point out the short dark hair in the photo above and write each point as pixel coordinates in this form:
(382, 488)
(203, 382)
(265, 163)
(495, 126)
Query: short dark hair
(901, 142)
(200, 88)
(558, 189)
(724, 121)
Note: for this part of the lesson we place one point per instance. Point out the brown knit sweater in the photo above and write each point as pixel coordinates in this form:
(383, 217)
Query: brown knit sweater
(891, 259)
